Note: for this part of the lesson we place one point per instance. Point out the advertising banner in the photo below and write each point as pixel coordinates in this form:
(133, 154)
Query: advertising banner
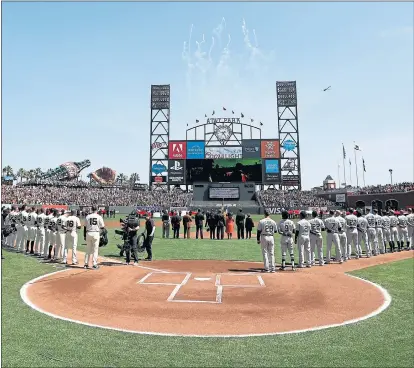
(340, 198)
(292, 180)
(176, 172)
(158, 179)
(271, 171)
(177, 150)
(270, 149)
(158, 169)
(223, 193)
(195, 150)
(56, 206)
(251, 148)
(223, 152)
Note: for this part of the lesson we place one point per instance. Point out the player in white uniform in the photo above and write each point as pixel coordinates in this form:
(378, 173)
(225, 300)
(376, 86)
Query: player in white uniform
(352, 234)
(380, 235)
(40, 237)
(386, 231)
(362, 226)
(12, 219)
(303, 241)
(93, 225)
(53, 235)
(403, 231)
(45, 250)
(7, 223)
(265, 237)
(316, 240)
(32, 229)
(410, 228)
(343, 242)
(20, 231)
(72, 226)
(394, 231)
(332, 229)
(61, 235)
(372, 232)
(25, 237)
(286, 228)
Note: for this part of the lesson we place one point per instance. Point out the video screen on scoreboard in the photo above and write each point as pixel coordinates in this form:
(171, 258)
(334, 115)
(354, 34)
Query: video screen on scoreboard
(223, 193)
(236, 170)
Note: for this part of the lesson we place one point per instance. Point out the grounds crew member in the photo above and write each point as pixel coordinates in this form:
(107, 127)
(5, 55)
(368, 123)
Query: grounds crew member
(131, 228)
(240, 224)
(165, 224)
(92, 234)
(286, 228)
(199, 220)
(149, 237)
(265, 231)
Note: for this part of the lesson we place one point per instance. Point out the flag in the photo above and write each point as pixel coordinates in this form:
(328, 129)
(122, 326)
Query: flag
(197, 121)
(205, 115)
(356, 148)
(252, 120)
(343, 151)
(187, 124)
(350, 162)
(224, 109)
(363, 164)
(242, 115)
(232, 111)
(213, 112)
(261, 123)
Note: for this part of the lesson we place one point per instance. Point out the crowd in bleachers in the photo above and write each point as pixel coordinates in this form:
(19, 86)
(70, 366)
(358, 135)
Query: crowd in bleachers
(292, 199)
(388, 188)
(87, 196)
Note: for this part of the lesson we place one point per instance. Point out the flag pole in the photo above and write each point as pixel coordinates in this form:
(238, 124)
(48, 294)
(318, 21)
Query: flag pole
(363, 171)
(339, 178)
(350, 172)
(343, 162)
(356, 166)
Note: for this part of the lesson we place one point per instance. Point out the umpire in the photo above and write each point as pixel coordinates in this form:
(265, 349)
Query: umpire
(132, 227)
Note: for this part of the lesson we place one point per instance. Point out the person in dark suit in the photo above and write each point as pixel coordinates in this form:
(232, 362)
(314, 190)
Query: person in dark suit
(249, 225)
(212, 224)
(220, 221)
(176, 224)
(187, 225)
(199, 220)
(240, 224)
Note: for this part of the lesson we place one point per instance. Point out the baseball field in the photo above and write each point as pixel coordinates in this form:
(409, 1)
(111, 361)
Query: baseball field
(44, 319)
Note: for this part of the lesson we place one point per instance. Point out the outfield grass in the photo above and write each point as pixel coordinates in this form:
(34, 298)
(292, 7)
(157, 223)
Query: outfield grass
(31, 339)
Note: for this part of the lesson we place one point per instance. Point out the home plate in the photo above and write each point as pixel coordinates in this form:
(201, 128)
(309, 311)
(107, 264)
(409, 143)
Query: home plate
(202, 278)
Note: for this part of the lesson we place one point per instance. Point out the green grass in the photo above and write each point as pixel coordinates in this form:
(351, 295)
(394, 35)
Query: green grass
(31, 339)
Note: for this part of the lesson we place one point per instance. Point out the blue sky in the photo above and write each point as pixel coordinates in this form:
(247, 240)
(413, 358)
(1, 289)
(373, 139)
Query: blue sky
(76, 79)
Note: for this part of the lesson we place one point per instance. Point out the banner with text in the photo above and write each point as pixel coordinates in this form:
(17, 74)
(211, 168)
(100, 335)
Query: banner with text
(223, 152)
(176, 172)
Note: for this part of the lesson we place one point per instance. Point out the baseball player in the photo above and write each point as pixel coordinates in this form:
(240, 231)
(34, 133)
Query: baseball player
(45, 250)
(386, 231)
(72, 226)
(40, 237)
(380, 234)
(362, 226)
(332, 236)
(372, 232)
(403, 231)
(93, 225)
(316, 241)
(32, 230)
(20, 231)
(265, 237)
(410, 228)
(352, 234)
(302, 240)
(25, 242)
(53, 235)
(12, 218)
(61, 235)
(286, 229)
(343, 242)
(7, 223)
(394, 231)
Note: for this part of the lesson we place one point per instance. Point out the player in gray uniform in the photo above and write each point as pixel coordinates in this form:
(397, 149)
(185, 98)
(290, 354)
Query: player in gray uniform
(372, 232)
(316, 241)
(386, 231)
(380, 235)
(286, 228)
(362, 226)
(265, 237)
(403, 231)
(394, 231)
(303, 241)
(352, 234)
(332, 229)
(410, 228)
(342, 234)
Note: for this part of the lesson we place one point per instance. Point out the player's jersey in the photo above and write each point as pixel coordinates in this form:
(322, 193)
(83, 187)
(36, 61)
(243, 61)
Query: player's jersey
(402, 221)
(371, 220)
(410, 219)
(378, 221)
(61, 221)
(31, 219)
(386, 223)
(316, 226)
(53, 224)
(24, 218)
(351, 221)
(286, 226)
(41, 220)
(393, 221)
(362, 224)
(7, 220)
(94, 223)
(267, 227)
(303, 227)
(332, 224)
(47, 221)
(12, 217)
(72, 223)
(342, 224)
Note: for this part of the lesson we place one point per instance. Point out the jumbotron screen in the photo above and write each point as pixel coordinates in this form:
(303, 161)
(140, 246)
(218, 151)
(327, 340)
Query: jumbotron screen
(247, 170)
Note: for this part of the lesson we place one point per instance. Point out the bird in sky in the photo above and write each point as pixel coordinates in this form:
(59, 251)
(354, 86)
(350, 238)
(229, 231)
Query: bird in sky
(327, 89)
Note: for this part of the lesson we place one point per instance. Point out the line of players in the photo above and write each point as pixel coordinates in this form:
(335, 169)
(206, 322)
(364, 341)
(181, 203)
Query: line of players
(346, 233)
(38, 232)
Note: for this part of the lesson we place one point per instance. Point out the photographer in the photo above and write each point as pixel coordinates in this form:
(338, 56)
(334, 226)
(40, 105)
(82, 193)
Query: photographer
(131, 228)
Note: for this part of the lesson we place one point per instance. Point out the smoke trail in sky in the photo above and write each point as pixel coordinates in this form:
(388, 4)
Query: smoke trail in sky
(187, 57)
(219, 30)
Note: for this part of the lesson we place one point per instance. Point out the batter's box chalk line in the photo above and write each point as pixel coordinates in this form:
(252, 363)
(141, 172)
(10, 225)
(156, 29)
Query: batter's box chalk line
(219, 286)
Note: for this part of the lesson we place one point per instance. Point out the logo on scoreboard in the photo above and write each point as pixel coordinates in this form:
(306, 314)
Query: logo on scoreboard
(270, 149)
(195, 150)
(177, 150)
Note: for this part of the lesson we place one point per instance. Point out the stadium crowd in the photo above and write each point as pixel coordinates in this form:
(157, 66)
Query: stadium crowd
(292, 199)
(88, 196)
(388, 188)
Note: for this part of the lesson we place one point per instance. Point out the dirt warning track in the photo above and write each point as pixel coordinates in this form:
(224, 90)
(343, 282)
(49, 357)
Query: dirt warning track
(209, 298)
